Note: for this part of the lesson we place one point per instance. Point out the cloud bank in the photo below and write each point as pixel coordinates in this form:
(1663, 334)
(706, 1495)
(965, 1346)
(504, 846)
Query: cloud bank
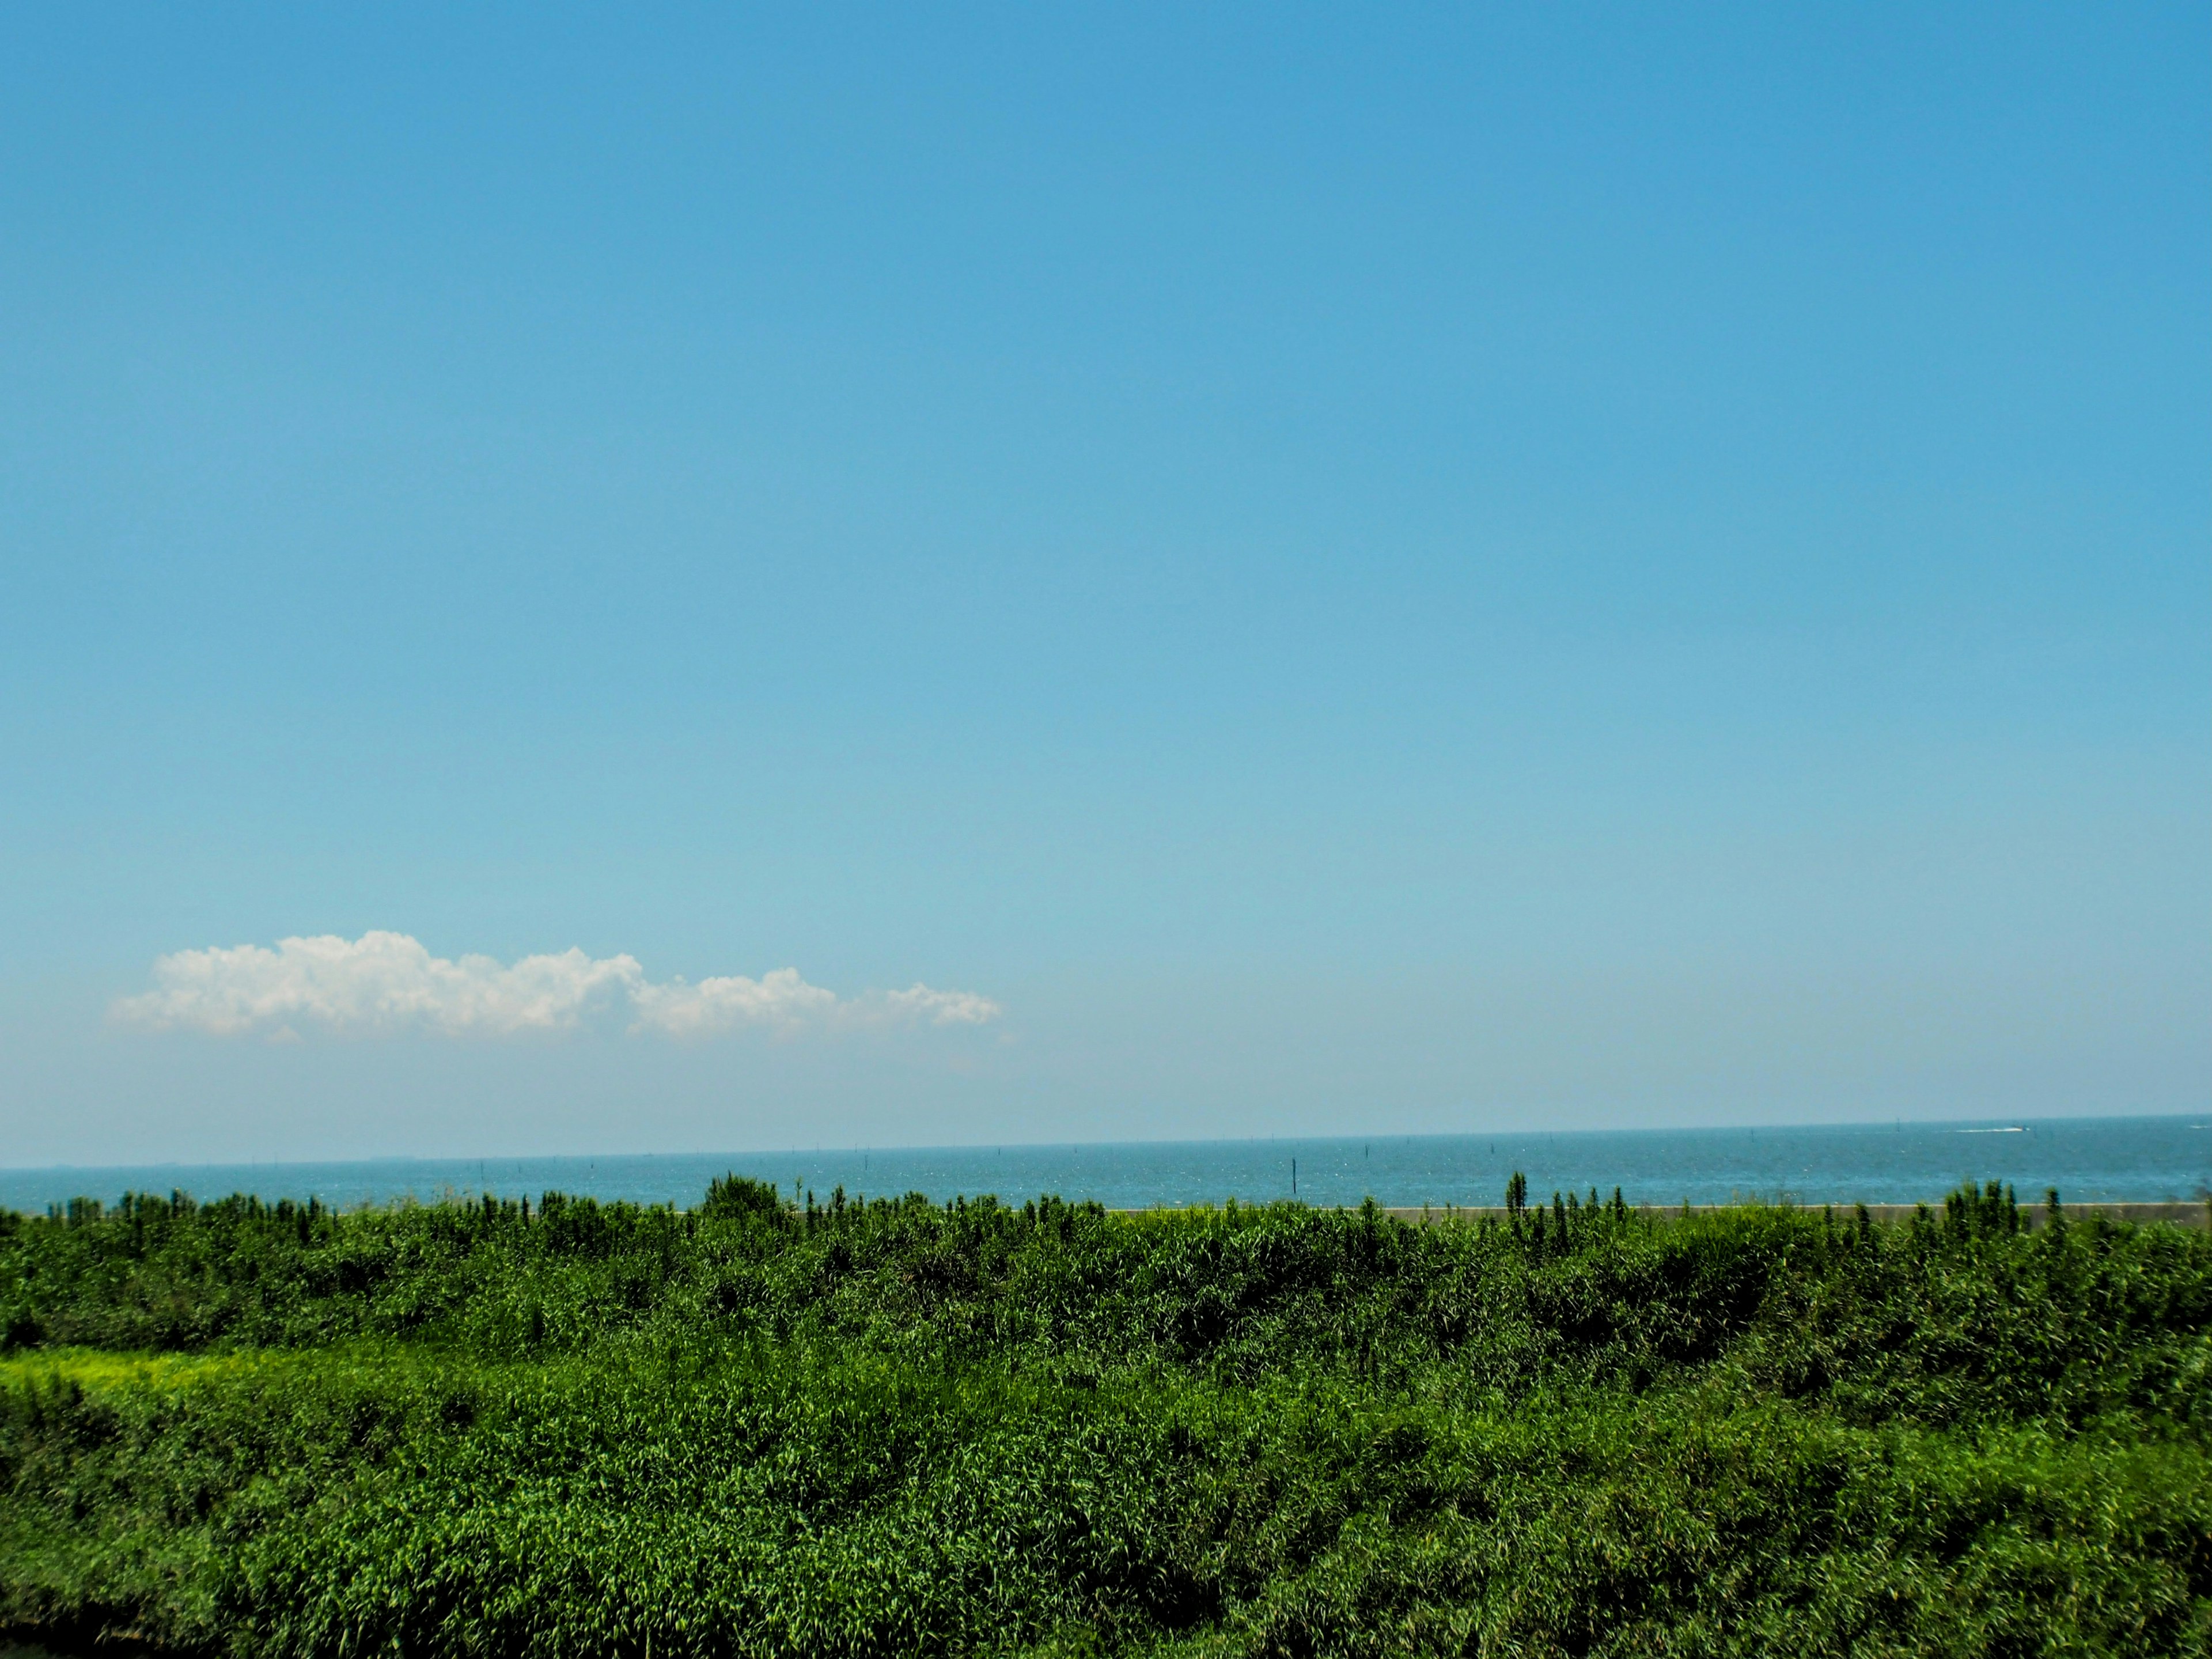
(389, 982)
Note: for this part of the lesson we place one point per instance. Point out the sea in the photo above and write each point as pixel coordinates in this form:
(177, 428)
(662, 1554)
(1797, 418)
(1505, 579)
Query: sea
(2103, 1159)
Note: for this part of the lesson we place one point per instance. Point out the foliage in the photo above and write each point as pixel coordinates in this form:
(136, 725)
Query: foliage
(765, 1426)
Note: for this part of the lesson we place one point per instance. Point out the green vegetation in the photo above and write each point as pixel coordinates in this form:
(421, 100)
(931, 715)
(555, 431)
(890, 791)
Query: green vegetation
(757, 1427)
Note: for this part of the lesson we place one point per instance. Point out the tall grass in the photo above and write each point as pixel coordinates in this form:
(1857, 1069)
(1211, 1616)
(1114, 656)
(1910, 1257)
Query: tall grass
(890, 1426)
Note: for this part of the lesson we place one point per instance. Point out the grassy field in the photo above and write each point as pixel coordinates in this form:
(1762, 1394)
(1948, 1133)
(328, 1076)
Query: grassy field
(903, 1428)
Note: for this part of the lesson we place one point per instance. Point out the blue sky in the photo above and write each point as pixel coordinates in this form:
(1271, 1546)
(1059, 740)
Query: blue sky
(1334, 571)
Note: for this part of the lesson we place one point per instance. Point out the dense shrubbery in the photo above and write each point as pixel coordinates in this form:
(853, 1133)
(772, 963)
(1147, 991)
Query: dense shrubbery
(897, 1427)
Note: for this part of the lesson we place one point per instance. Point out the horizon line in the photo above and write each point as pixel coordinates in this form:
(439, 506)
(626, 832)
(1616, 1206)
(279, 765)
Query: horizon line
(842, 1149)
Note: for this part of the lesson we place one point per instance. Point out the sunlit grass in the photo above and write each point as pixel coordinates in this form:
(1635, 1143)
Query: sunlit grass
(916, 1429)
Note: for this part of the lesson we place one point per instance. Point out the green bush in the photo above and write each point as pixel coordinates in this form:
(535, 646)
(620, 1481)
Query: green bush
(889, 1426)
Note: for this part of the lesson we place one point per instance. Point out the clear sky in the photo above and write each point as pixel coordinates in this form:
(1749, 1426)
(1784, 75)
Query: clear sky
(1192, 570)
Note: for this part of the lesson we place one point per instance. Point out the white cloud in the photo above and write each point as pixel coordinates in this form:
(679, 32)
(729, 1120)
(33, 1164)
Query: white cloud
(384, 982)
(919, 1002)
(780, 999)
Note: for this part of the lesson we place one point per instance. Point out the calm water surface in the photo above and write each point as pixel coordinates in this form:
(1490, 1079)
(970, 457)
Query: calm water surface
(2124, 1159)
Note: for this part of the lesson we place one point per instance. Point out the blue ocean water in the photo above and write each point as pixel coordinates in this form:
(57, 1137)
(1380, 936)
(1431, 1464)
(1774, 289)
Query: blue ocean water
(2143, 1159)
